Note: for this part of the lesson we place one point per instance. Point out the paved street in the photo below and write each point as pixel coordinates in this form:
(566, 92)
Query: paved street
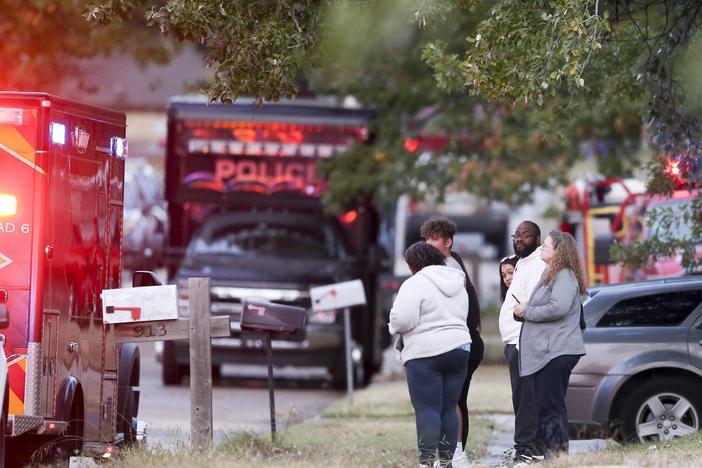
(238, 404)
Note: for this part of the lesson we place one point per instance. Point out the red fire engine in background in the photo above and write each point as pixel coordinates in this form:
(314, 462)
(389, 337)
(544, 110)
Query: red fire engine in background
(591, 209)
(70, 385)
(602, 212)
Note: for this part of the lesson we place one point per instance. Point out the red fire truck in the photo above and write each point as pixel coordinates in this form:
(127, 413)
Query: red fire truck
(71, 386)
(591, 209)
(633, 225)
(601, 212)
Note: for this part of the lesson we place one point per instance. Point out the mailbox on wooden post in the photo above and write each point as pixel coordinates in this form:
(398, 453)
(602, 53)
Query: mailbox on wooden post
(150, 313)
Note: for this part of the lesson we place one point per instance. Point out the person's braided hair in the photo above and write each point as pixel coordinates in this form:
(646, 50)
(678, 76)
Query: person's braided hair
(420, 255)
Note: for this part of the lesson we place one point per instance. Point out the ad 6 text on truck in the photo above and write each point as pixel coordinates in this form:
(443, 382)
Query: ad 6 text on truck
(70, 386)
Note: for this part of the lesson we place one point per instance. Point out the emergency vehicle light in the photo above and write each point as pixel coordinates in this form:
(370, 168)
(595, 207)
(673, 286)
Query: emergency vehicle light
(13, 116)
(58, 133)
(8, 205)
(119, 147)
(349, 217)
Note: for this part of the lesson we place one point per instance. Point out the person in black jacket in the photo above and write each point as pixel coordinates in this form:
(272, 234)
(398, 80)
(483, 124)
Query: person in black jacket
(438, 231)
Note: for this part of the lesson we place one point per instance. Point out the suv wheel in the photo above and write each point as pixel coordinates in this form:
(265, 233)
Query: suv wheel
(661, 409)
(338, 373)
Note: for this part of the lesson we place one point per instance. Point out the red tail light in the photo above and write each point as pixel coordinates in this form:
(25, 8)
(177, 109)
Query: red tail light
(3, 296)
(349, 217)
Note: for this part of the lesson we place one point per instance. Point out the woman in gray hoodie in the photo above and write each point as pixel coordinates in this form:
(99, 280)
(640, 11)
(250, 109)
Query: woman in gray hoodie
(551, 341)
(429, 314)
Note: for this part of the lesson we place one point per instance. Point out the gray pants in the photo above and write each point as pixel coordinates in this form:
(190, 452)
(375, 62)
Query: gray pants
(526, 425)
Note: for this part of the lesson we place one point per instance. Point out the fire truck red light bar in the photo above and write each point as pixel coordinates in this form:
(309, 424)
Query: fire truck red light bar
(13, 116)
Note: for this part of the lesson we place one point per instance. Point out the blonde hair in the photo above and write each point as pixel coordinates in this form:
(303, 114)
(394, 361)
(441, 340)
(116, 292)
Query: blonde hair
(565, 255)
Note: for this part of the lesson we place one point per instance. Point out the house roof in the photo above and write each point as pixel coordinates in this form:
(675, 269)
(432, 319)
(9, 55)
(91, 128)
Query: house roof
(122, 83)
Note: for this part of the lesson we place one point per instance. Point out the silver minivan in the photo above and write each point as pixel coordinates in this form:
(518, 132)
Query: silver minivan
(642, 374)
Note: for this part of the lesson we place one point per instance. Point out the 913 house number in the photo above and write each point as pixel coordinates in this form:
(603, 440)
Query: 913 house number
(148, 331)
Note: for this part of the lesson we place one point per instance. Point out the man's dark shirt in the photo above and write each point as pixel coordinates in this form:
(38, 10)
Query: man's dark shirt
(477, 346)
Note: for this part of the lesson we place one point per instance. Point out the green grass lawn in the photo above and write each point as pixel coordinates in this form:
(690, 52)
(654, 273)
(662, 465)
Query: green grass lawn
(378, 431)
(685, 452)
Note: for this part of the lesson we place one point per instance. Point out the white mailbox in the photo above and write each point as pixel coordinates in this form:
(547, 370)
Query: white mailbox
(143, 304)
(338, 295)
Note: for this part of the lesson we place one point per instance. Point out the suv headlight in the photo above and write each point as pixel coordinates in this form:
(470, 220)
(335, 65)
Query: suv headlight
(324, 317)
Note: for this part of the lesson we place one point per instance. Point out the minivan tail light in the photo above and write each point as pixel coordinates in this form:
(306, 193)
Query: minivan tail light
(3, 296)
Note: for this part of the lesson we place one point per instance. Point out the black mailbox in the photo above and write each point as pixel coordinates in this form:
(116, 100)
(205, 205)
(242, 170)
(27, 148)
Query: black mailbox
(281, 321)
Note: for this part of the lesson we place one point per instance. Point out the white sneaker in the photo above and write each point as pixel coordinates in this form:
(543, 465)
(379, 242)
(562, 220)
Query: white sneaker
(460, 460)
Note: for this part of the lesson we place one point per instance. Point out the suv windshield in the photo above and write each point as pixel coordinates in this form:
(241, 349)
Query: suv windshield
(268, 240)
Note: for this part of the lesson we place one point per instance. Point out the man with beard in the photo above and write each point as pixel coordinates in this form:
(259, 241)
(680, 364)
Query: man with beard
(526, 241)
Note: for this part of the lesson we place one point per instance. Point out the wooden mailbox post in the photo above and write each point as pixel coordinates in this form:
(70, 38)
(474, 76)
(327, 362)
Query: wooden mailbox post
(151, 314)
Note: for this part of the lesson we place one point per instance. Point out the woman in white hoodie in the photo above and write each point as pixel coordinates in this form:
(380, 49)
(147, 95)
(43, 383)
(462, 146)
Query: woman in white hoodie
(429, 314)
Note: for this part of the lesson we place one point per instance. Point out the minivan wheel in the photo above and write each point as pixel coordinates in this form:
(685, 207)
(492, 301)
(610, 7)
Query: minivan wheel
(661, 409)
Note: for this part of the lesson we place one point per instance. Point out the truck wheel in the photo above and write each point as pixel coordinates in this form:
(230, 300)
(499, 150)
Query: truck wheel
(216, 375)
(127, 420)
(128, 397)
(661, 409)
(71, 442)
(338, 373)
(171, 372)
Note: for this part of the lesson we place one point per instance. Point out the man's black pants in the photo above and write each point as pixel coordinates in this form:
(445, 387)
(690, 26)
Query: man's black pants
(476, 356)
(526, 427)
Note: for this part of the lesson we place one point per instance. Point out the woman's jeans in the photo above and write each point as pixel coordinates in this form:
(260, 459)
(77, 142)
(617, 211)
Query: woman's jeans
(551, 384)
(434, 387)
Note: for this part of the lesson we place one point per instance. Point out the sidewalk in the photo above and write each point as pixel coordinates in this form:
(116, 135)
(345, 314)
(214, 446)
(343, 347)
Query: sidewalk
(500, 448)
